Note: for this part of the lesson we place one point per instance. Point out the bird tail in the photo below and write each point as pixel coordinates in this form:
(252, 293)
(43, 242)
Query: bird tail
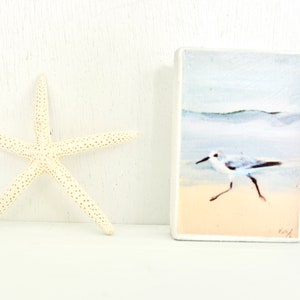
(267, 164)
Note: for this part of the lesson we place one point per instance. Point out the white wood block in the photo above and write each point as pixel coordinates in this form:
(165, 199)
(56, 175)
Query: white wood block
(236, 161)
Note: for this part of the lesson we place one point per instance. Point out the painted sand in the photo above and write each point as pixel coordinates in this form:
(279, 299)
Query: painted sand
(238, 213)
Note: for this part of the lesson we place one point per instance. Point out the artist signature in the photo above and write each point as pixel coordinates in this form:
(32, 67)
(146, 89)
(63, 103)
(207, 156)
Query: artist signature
(286, 232)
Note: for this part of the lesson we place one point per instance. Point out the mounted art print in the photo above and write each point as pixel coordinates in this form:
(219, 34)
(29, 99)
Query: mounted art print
(236, 150)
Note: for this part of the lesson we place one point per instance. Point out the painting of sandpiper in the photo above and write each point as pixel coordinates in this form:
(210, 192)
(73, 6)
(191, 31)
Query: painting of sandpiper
(239, 168)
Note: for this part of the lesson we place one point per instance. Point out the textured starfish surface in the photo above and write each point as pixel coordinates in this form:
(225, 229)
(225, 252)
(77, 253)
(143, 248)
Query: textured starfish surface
(44, 156)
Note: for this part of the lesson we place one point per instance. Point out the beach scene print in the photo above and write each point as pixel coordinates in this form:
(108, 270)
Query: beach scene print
(240, 144)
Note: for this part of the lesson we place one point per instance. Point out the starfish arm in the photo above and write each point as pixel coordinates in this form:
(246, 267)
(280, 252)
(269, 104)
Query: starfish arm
(21, 182)
(75, 191)
(92, 142)
(42, 129)
(16, 146)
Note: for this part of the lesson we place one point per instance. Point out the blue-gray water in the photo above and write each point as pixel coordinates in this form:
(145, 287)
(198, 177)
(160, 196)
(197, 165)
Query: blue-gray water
(258, 134)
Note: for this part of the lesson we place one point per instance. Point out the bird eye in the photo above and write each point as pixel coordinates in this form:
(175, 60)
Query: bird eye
(216, 155)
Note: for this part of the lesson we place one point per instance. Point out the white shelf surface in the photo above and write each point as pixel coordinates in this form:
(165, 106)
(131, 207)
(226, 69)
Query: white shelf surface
(77, 261)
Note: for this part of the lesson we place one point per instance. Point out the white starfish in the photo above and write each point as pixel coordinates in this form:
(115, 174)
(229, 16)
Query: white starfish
(44, 156)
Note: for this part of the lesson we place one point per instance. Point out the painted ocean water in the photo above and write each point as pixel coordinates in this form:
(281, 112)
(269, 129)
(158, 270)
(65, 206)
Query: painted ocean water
(259, 134)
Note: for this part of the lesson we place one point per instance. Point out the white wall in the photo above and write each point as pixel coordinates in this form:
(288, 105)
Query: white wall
(109, 67)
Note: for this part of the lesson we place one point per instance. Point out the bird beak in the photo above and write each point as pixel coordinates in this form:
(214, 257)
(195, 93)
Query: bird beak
(202, 160)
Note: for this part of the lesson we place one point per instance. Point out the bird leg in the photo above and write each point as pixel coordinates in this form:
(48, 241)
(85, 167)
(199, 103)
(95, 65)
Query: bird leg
(217, 196)
(257, 188)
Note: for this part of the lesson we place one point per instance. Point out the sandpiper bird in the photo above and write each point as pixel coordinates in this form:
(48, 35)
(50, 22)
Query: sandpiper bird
(233, 165)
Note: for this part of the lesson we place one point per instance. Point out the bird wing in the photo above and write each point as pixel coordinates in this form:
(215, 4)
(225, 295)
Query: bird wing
(263, 164)
(233, 162)
(240, 162)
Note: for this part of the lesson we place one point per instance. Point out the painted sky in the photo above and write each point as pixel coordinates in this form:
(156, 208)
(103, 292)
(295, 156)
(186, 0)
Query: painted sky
(232, 81)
